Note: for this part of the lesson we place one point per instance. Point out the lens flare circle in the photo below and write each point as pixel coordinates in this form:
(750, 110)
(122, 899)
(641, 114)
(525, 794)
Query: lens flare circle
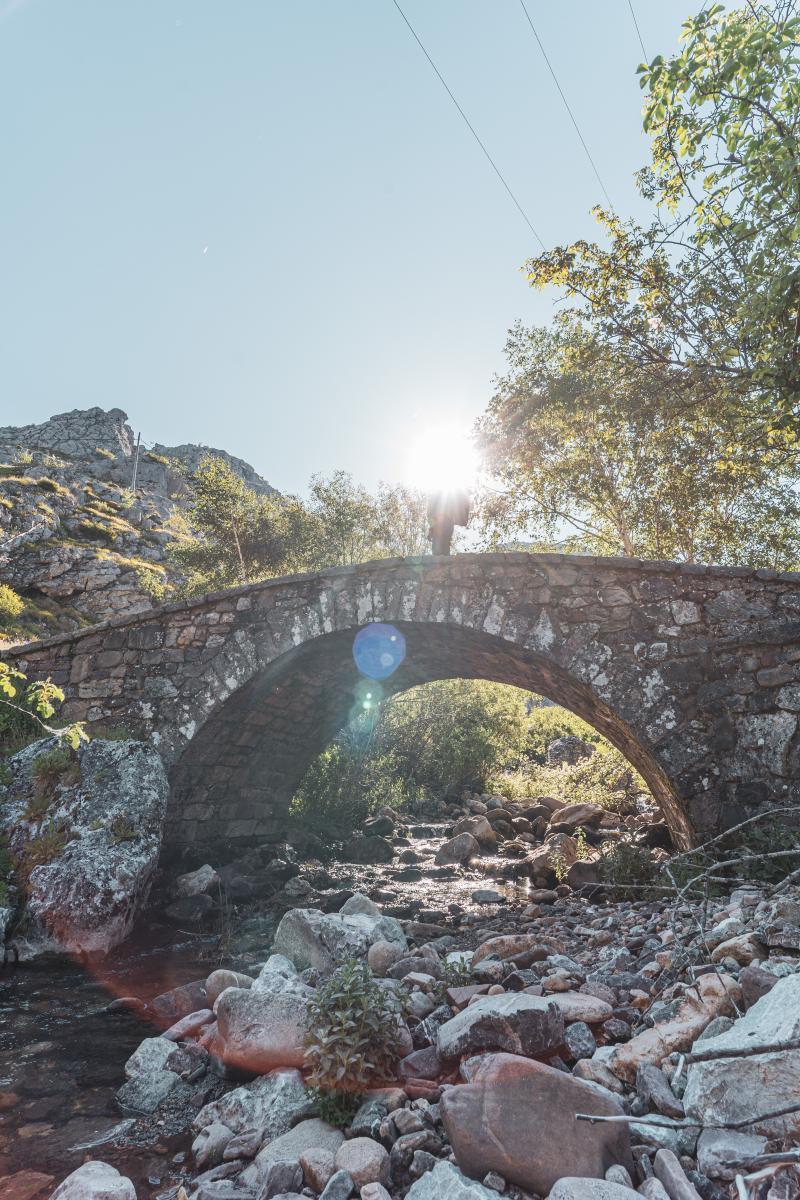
(378, 650)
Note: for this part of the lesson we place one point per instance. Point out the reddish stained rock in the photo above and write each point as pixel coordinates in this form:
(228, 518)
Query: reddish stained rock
(513, 944)
(710, 997)
(517, 1117)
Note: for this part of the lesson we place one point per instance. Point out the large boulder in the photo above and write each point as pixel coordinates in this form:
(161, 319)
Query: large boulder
(516, 1022)
(309, 937)
(261, 1030)
(95, 1181)
(517, 1117)
(84, 832)
(727, 1090)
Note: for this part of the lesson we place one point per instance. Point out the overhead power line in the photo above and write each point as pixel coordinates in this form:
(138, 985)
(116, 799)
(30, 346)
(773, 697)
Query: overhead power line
(471, 128)
(566, 104)
(638, 30)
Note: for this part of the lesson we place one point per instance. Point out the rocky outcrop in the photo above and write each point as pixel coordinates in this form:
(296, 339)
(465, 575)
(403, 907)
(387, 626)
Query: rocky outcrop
(84, 833)
(74, 538)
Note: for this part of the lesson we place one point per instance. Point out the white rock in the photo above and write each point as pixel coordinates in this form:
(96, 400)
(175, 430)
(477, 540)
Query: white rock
(310, 938)
(717, 1148)
(589, 1189)
(735, 1089)
(95, 1181)
(445, 1182)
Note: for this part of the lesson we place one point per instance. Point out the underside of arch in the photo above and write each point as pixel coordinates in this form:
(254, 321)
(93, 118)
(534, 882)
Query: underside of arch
(234, 781)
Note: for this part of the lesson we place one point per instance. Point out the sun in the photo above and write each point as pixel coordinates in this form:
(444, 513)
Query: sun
(442, 458)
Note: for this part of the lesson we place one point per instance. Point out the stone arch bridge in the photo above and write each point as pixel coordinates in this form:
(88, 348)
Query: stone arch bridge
(693, 672)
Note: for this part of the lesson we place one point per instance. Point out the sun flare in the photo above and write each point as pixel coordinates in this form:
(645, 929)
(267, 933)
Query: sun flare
(442, 458)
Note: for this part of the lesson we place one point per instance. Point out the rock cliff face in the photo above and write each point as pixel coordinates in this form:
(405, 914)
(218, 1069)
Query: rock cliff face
(75, 539)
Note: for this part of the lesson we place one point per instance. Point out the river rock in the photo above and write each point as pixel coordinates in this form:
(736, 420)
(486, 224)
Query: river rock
(318, 1167)
(445, 1182)
(577, 816)
(515, 1022)
(368, 850)
(109, 810)
(309, 937)
(516, 1117)
(365, 1160)
(568, 750)
(732, 1089)
(481, 830)
(459, 849)
(512, 946)
(95, 1181)
(261, 1030)
(710, 998)
(308, 1135)
(197, 883)
(717, 1149)
(153, 1054)
(570, 1188)
(143, 1093)
(178, 1003)
(578, 1006)
(210, 1144)
(272, 1104)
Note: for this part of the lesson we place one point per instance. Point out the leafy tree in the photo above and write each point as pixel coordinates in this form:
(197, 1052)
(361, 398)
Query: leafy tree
(352, 525)
(346, 520)
(236, 535)
(401, 521)
(585, 454)
(706, 300)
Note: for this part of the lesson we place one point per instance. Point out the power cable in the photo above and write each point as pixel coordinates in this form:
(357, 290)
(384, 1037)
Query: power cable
(470, 127)
(566, 104)
(638, 30)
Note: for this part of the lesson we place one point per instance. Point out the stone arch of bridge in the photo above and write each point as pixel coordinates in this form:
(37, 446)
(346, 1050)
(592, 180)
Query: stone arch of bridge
(234, 779)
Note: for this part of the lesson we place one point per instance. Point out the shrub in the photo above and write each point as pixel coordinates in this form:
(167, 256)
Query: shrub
(606, 779)
(628, 868)
(24, 709)
(11, 605)
(345, 784)
(352, 1031)
(103, 453)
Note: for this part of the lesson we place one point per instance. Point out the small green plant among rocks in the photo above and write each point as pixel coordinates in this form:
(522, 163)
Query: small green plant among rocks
(628, 869)
(122, 830)
(56, 766)
(352, 1032)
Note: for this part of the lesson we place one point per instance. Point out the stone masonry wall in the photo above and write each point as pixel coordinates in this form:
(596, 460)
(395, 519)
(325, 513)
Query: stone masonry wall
(692, 671)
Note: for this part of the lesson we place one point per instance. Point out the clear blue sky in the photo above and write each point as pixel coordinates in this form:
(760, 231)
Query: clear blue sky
(261, 224)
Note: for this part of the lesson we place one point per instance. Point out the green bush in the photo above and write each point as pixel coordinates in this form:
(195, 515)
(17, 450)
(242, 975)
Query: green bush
(352, 1031)
(629, 869)
(606, 779)
(11, 605)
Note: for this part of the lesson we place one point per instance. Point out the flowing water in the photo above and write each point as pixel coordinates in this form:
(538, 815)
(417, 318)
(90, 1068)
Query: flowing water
(62, 1054)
